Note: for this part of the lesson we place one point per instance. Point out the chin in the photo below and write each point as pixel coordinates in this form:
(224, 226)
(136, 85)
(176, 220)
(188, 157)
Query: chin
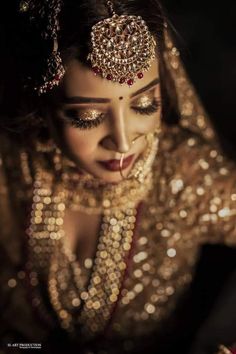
(116, 178)
(110, 177)
(104, 175)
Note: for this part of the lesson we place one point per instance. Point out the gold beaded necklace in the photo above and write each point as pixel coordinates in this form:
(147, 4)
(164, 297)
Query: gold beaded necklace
(88, 307)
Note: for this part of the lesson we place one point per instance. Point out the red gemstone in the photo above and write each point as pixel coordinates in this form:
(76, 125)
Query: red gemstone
(57, 77)
(122, 80)
(109, 77)
(140, 75)
(96, 70)
(130, 82)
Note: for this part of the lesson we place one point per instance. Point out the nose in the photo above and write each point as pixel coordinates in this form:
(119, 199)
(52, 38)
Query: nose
(118, 138)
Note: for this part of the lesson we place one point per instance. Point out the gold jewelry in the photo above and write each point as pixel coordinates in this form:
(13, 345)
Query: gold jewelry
(122, 48)
(47, 11)
(52, 258)
(122, 158)
(96, 302)
(121, 164)
(55, 71)
(142, 166)
(94, 195)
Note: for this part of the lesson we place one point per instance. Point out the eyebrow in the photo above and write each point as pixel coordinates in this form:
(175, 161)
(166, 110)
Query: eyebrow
(80, 99)
(147, 87)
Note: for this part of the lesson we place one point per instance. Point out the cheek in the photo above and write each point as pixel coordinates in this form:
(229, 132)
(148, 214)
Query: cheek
(147, 124)
(154, 120)
(80, 143)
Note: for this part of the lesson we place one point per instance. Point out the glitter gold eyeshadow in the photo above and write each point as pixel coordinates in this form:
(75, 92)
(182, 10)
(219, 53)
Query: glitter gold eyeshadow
(144, 101)
(89, 115)
(84, 120)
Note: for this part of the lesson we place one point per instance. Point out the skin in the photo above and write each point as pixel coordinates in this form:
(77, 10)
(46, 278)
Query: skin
(121, 125)
(108, 140)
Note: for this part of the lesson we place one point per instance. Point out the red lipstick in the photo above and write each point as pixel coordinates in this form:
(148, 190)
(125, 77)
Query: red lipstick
(114, 165)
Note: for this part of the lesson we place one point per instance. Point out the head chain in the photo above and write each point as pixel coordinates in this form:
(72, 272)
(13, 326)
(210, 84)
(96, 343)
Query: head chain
(48, 12)
(122, 46)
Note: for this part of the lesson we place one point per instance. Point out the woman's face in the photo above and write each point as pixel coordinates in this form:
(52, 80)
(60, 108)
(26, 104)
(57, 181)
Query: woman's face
(98, 120)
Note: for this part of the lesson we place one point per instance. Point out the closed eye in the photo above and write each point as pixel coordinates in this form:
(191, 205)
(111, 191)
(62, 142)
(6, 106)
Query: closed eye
(147, 110)
(80, 120)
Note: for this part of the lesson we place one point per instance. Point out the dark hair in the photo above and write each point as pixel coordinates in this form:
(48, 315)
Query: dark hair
(26, 52)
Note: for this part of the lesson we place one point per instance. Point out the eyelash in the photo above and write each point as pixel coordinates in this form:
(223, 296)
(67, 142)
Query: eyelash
(149, 110)
(71, 116)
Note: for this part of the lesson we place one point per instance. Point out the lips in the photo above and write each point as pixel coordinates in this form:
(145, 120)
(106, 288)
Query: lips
(114, 165)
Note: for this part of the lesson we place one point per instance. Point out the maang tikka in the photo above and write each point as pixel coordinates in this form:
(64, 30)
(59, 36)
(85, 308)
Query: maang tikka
(122, 47)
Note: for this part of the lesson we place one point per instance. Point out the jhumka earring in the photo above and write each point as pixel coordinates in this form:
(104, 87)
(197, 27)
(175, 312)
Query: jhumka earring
(122, 47)
(47, 11)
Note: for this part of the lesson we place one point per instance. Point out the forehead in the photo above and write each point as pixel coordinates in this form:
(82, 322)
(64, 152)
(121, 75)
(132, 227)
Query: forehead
(80, 80)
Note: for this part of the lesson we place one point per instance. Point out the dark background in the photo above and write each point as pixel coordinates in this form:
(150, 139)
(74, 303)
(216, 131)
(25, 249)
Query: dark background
(206, 37)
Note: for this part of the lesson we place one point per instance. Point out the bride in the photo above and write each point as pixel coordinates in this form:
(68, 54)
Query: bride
(111, 178)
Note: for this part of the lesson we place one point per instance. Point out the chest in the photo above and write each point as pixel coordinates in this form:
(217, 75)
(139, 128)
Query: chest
(82, 231)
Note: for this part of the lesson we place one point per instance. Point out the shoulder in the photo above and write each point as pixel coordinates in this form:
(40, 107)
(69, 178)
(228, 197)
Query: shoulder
(195, 157)
(200, 183)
